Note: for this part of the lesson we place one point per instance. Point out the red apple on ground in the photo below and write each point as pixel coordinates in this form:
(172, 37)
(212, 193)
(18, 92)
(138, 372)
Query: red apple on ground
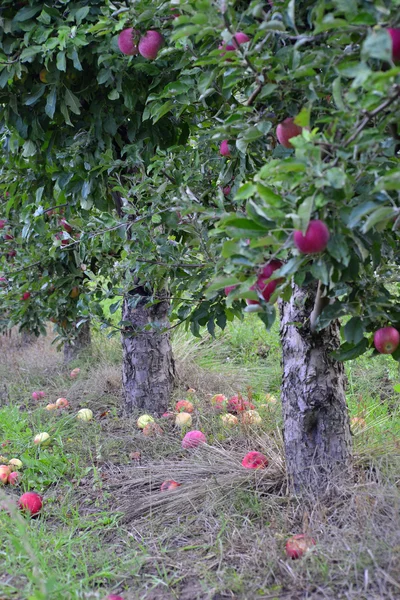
(286, 131)
(386, 340)
(113, 597)
(74, 373)
(395, 35)
(13, 478)
(31, 503)
(193, 439)
(35, 395)
(127, 41)
(315, 239)
(255, 460)
(184, 406)
(8, 237)
(224, 149)
(219, 402)
(5, 470)
(41, 394)
(170, 484)
(266, 289)
(237, 404)
(150, 44)
(26, 296)
(298, 545)
(168, 415)
(6, 443)
(62, 403)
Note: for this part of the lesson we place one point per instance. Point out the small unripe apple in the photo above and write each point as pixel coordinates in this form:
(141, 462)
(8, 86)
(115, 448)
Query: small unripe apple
(13, 478)
(62, 403)
(5, 470)
(184, 406)
(127, 41)
(255, 460)
(85, 414)
(31, 503)
(144, 420)
(218, 402)
(66, 226)
(395, 35)
(315, 239)
(224, 149)
(41, 438)
(168, 485)
(51, 406)
(386, 340)
(251, 417)
(150, 44)
(26, 296)
(193, 439)
(15, 462)
(43, 75)
(74, 373)
(286, 131)
(152, 430)
(298, 545)
(183, 419)
(229, 419)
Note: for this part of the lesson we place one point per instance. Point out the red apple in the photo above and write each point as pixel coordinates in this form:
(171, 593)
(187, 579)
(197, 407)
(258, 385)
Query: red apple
(168, 415)
(184, 406)
(386, 340)
(8, 237)
(26, 296)
(62, 403)
(41, 394)
(224, 149)
(113, 597)
(35, 395)
(218, 402)
(170, 484)
(240, 37)
(127, 41)
(298, 545)
(2, 223)
(229, 288)
(193, 439)
(315, 239)
(237, 405)
(12, 253)
(226, 190)
(5, 470)
(31, 503)
(395, 35)
(150, 44)
(74, 373)
(266, 289)
(286, 131)
(13, 478)
(66, 226)
(255, 460)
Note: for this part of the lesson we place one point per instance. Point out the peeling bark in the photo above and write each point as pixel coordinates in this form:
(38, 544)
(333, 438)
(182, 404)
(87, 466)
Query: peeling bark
(317, 433)
(81, 342)
(148, 365)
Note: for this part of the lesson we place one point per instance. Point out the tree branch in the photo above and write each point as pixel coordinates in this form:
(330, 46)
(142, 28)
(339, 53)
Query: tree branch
(319, 304)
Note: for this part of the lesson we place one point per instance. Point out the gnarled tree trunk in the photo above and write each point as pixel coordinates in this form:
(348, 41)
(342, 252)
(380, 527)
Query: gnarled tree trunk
(148, 364)
(81, 342)
(316, 424)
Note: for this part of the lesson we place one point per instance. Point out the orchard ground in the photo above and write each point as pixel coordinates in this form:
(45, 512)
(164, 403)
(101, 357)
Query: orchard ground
(105, 526)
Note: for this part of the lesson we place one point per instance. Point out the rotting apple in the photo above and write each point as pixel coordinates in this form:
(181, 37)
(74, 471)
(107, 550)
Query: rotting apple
(144, 420)
(152, 430)
(255, 460)
(168, 485)
(298, 545)
(184, 406)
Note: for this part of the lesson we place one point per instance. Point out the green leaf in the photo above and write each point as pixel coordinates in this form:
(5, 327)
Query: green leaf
(61, 61)
(378, 45)
(336, 177)
(245, 191)
(349, 351)
(269, 195)
(337, 94)
(382, 214)
(72, 102)
(26, 13)
(354, 330)
(30, 52)
(303, 118)
(51, 103)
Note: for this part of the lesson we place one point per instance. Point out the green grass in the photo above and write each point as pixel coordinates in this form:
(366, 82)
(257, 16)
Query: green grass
(225, 536)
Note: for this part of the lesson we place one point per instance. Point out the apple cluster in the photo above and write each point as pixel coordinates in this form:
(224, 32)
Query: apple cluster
(131, 43)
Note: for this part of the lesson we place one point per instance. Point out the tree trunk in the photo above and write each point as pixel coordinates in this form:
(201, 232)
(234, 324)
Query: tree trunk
(81, 342)
(148, 365)
(317, 434)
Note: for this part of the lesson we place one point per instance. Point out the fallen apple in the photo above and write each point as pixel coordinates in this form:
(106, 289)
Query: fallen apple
(270, 399)
(168, 415)
(15, 462)
(41, 438)
(41, 394)
(298, 545)
(219, 402)
(74, 373)
(193, 439)
(358, 423)
(229, 419)
(35, 395)
(184, 406)
(183, 419)
(51, 406)
(255, 460)
(5, 470)
(170, 484)
(62, 403)
(152, 430)
(31, 503)
(251, 417)
(113, 597)
(237, 404)
(13, 478)
(85, 414)
(144, 420)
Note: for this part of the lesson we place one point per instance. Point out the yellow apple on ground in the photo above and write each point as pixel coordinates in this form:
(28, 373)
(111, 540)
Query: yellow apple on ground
(358, 423)
(5, 470)
(74, 373)
(144, 420)
(183, 419)
(251, 417)
(229, 419)
(51, 407)
(15, 462)
(85, 414)
(41, 438)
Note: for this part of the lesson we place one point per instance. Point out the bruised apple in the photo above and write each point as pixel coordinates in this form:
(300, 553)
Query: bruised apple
(255, 460)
